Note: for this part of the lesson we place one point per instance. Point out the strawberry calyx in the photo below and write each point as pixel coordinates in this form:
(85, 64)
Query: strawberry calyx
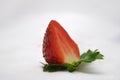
(58, 67)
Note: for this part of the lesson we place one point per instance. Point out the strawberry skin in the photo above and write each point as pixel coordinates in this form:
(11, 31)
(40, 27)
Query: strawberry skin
(58, 47)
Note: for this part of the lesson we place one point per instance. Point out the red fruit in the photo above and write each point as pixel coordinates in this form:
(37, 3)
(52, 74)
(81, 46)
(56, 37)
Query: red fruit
(58, 47)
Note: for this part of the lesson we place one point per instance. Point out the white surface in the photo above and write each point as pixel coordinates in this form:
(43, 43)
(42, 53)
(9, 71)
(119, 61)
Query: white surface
(91, 23)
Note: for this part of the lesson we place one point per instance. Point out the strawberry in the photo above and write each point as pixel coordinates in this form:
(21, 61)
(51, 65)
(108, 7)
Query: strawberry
(58, 47)
(61, 52)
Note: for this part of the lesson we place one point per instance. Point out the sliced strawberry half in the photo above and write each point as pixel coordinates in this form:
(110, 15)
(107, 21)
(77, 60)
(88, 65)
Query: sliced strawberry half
(61, 52)
(58, 47)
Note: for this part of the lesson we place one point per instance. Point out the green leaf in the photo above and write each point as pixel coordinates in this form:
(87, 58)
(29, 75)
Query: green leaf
(99, 56)
(91, 56)
(58, 67)
(71, 68)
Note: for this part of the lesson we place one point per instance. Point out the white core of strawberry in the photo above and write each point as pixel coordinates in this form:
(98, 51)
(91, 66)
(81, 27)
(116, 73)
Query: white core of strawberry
(71, 58)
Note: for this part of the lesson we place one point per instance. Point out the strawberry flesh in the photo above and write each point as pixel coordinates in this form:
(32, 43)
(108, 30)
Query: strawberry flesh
(58, 47)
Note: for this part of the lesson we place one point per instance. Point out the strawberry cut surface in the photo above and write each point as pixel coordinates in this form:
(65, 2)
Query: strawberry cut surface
(58, 47)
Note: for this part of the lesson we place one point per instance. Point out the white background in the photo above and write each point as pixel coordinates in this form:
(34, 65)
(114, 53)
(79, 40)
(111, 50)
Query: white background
(93, 24)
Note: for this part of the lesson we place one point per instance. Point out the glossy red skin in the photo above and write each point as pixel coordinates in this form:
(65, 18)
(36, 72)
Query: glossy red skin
(56, 43)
